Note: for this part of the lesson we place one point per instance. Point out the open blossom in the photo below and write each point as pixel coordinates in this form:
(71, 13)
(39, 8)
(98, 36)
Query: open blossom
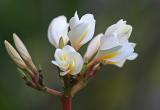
(58, 28)
(81, 30)
(68, 60)
(112, 47)
(115, 47)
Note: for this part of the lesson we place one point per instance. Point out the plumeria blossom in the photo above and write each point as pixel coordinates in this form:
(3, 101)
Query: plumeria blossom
(81, 30)
(58, 29)
(114, 45)
(68, 60)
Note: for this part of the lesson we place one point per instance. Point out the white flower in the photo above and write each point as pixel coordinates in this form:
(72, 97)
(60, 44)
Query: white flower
(58, 28)
(68, 60)
(115, 47)
(92, 47)
(82, 30)
(121, 29)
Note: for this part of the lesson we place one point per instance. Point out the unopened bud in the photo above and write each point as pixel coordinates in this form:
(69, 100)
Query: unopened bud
(23, 52)
(92, 48)
(21, 48)
(14, 55)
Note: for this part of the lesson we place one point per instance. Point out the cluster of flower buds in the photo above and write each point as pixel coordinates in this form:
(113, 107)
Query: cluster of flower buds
(29, 72)
(112, 47)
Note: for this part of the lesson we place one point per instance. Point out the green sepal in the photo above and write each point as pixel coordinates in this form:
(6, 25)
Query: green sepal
(22, 73)
(61, 43)
(40, 68)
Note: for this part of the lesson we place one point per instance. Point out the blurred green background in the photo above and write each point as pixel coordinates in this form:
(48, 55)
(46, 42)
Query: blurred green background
(136, 86)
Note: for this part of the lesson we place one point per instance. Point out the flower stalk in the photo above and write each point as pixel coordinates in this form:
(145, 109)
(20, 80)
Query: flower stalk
(66, 103)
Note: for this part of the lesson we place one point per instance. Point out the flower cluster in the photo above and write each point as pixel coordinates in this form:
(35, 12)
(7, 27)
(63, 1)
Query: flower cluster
(112, 47)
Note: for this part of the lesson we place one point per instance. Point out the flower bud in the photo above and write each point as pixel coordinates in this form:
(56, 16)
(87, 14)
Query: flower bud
(14, 55)
(92, 47)
(21, 48)
(23, 52)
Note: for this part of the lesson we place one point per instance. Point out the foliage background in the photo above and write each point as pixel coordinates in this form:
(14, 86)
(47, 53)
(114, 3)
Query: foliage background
(136, 86)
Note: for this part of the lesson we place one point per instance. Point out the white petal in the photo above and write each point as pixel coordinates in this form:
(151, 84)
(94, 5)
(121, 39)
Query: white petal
(78, 60)
(58, 28)
(68, 49)
(124, 32)
(54, 62)
(124, 52)
(121, 29)
(74, 21)
(90, 33)
(87, 18)
(111, 29)
(133, 56)
(93, 47)
(120, 64)
(133, 45)
(58, 54)
(77, 34)
(109, 42)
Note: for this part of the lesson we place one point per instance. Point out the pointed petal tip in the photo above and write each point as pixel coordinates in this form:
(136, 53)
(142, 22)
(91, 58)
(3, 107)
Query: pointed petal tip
(15, 37)
(75, 14)
(5, 41)
(14, 34)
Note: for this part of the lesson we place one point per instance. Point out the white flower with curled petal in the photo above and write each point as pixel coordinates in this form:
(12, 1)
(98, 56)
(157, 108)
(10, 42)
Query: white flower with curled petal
(121, 29)
(58, 28)
(81, 30)
(115, 47)
(68, 60)
(92, 47)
